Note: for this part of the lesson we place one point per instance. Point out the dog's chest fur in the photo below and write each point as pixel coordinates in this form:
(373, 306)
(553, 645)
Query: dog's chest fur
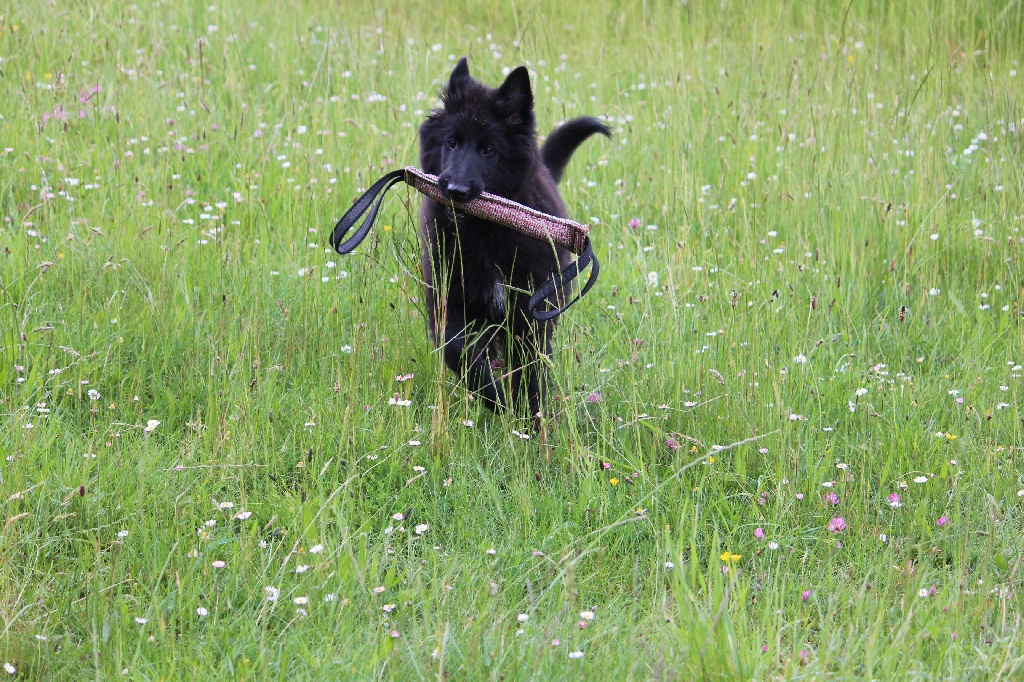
(478, 253)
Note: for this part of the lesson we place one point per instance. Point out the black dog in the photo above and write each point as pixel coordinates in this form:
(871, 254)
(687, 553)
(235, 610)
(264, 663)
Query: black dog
(479, 275)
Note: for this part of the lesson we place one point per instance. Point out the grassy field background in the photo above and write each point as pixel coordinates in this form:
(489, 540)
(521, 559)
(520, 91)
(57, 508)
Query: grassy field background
(810, 224)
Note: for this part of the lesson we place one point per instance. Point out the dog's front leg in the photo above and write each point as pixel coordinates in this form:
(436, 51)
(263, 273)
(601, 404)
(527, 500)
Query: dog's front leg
(466, 352)
(532, 348)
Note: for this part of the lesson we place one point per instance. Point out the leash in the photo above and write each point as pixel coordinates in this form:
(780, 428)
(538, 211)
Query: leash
(562, 232)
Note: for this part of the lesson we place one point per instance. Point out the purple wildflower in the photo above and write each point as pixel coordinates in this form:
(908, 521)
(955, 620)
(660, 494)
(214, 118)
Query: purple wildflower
(837, 525)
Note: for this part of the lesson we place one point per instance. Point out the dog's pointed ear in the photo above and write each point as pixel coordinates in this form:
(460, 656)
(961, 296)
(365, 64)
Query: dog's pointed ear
(459, 75)
(517, 97)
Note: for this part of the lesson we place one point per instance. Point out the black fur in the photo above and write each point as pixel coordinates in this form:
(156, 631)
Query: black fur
(479, 275)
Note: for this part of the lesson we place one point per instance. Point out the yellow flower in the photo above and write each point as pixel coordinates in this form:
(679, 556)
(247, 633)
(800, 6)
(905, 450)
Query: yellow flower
(728, 556)
(711, 460)
(950, 436)
(387, 228)
(614, 481)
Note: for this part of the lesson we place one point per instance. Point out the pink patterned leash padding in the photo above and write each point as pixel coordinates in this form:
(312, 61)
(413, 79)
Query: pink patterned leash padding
(566, 233)
(562, 232)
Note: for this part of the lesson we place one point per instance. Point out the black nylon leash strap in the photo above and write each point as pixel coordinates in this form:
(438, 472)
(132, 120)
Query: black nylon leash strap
(371, 199)
(369, 203)
(567, 275)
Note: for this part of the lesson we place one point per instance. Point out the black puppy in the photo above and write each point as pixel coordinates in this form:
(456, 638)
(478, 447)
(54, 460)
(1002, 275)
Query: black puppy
(479, 275)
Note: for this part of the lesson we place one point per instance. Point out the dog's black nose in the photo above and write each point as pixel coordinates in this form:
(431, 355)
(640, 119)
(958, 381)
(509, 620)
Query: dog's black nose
(457, 192)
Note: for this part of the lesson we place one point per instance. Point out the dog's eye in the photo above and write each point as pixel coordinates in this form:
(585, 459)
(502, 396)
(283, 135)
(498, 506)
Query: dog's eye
(487, 150)
(452, 143)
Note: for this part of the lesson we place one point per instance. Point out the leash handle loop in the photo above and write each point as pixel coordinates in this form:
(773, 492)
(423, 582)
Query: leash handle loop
(560, 280)
(371, 199)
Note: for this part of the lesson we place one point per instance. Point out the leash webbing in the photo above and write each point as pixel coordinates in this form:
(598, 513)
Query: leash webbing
(571, 272)
(522, 219)
(358, 208)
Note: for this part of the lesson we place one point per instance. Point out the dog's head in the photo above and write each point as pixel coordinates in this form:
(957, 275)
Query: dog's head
(482, 139)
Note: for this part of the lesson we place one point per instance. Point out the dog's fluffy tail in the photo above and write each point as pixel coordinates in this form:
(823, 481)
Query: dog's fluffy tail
(564, 140)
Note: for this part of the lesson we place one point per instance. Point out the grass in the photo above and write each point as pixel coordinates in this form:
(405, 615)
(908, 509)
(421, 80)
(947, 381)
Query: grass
(828, 198)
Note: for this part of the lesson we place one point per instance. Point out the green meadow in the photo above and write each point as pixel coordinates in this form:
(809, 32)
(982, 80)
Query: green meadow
(785, 429)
